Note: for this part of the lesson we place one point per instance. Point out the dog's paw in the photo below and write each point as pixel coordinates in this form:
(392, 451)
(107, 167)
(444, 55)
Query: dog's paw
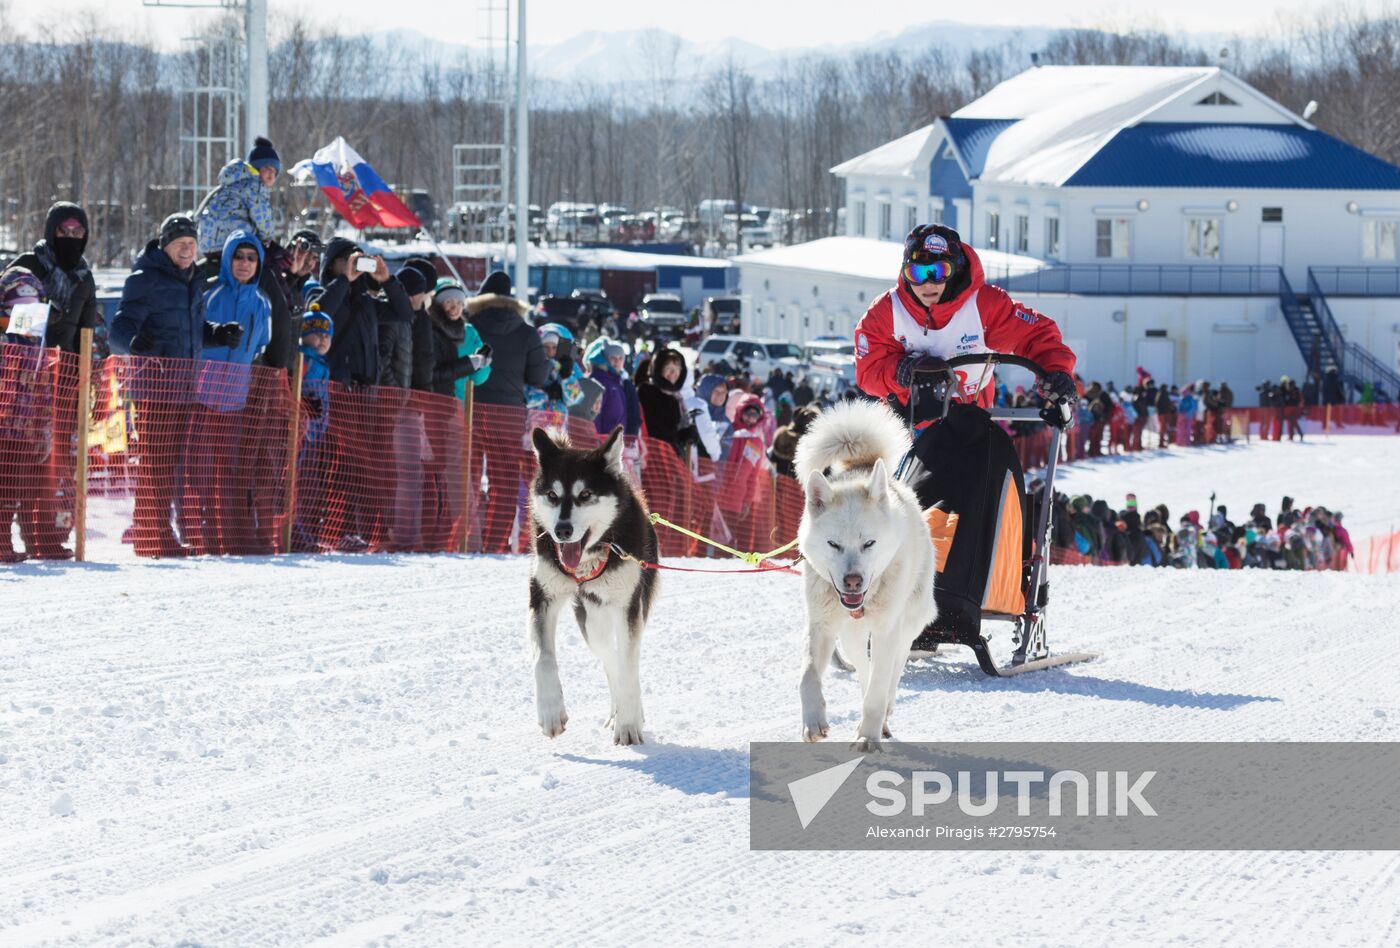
(626, 735)
(553, 719)
(885, 730)
(867, 745)
(811, 733)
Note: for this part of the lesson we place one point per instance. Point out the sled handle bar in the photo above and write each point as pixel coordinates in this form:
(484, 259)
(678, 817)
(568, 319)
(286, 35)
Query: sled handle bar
(989, 360)
(994, 359)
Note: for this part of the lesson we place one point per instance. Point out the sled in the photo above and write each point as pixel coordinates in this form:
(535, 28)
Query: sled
(989, 567)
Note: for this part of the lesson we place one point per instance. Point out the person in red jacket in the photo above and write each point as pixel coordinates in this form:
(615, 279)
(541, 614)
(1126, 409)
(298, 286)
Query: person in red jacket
(943, 307)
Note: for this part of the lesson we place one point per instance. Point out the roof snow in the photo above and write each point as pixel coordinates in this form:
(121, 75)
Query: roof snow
(1068, 113)
(903, 156)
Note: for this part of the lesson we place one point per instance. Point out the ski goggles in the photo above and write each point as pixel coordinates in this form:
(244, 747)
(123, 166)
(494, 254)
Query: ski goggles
(937, 271)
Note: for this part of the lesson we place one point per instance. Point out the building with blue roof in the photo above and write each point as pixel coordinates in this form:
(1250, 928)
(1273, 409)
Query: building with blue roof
(1175, 218)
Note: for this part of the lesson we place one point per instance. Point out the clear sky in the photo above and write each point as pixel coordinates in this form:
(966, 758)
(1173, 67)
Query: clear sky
(771, 23)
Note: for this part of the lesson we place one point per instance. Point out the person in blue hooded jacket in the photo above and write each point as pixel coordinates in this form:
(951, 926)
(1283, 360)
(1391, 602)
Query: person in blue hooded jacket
(231, 519)
(161, 316)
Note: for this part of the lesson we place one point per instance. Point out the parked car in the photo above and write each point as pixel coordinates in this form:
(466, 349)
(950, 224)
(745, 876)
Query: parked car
(831, 374)
(596, 305)
(661, 316)
(754, 354)
(573, 312)
(721, 314)
(828, 345)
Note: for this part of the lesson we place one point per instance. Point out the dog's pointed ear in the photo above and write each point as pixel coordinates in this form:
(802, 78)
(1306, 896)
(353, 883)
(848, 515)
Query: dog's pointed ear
(818, 490)
(545, 446)
(879, 484)
(612, 450)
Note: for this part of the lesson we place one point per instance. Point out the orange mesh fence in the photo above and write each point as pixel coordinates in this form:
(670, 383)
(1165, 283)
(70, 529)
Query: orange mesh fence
(1379, 554)
(200, 447)
(38, 408)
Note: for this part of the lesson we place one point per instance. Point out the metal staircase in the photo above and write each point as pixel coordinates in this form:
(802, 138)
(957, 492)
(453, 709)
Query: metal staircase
(1321, 344)
(1357, 366)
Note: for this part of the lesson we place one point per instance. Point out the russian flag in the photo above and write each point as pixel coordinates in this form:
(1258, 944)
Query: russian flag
(354, 189)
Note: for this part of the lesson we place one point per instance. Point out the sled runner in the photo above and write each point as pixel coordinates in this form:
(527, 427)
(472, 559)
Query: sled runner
(991, 538)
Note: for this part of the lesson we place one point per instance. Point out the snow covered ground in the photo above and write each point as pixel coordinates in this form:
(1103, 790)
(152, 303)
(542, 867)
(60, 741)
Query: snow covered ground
(343, 751)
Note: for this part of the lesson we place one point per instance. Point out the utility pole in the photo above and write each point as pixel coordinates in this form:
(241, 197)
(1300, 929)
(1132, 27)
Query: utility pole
(255, 36)
(522, 167)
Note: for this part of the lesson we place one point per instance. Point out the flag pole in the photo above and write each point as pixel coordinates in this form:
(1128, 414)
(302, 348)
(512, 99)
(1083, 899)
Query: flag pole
(443, 254)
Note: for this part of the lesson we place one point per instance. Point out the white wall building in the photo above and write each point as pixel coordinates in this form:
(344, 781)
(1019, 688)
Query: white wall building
(1170, 217)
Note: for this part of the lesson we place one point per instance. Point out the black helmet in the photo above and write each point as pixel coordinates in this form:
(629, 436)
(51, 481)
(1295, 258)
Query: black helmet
(929, 242)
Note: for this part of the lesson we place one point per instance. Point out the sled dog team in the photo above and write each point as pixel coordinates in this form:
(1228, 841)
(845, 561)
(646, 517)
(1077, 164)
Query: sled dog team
(867, 574)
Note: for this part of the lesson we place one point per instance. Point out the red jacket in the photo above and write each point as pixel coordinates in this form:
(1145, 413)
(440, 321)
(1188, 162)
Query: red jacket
(1007, 327)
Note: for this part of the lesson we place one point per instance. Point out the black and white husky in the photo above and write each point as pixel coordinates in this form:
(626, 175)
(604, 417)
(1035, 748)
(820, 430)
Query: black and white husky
(584, 509)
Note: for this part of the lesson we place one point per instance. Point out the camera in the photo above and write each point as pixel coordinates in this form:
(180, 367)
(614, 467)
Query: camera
(366, 264)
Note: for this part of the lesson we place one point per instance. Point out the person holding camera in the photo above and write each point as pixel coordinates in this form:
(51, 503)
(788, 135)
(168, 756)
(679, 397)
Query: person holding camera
(360, 293)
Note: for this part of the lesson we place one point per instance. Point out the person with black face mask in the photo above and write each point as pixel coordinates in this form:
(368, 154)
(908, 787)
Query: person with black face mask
(58, 262)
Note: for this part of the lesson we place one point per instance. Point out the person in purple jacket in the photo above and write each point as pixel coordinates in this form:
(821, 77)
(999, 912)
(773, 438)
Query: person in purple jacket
(620, 405)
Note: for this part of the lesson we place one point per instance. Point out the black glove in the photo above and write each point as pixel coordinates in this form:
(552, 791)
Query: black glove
(1059, 387)
(142, 344)
(566, 366)
(1061, 399)
(914, 362)
(554, 391)
(904, 371)
(223, 334)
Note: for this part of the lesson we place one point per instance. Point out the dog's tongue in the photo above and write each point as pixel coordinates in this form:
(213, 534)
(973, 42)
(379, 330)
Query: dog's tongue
(852, 600)
(570, 554)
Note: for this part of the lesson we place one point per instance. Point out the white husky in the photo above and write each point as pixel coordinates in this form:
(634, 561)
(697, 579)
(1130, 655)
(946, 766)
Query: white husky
(869, 561)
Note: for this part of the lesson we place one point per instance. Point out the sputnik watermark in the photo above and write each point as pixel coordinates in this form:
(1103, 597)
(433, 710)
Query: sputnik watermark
(1136, 796)
(1118, 793)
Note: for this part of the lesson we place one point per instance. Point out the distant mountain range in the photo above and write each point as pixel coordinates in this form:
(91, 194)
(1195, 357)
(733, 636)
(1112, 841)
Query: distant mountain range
(632, 55)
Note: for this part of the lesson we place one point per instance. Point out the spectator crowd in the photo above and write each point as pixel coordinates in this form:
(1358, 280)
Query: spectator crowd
(1089, 530)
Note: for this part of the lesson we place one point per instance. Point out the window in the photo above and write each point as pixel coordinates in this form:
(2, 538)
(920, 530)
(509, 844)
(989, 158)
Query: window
(1203, 238)
(1112, 238)
(1023, 233)
(1272, 215)
(858, 210)
(885, 228)
(911, 218)
(993, 229)
(1052, 237)
(1378, 239)
(935, 212)
(1217, 98)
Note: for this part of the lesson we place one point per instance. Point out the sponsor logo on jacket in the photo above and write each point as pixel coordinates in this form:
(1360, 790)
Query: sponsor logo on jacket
(1026, 316)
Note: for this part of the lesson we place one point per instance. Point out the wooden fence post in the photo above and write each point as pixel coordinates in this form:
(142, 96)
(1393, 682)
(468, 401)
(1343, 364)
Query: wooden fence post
(80, 478)
(289, 501)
